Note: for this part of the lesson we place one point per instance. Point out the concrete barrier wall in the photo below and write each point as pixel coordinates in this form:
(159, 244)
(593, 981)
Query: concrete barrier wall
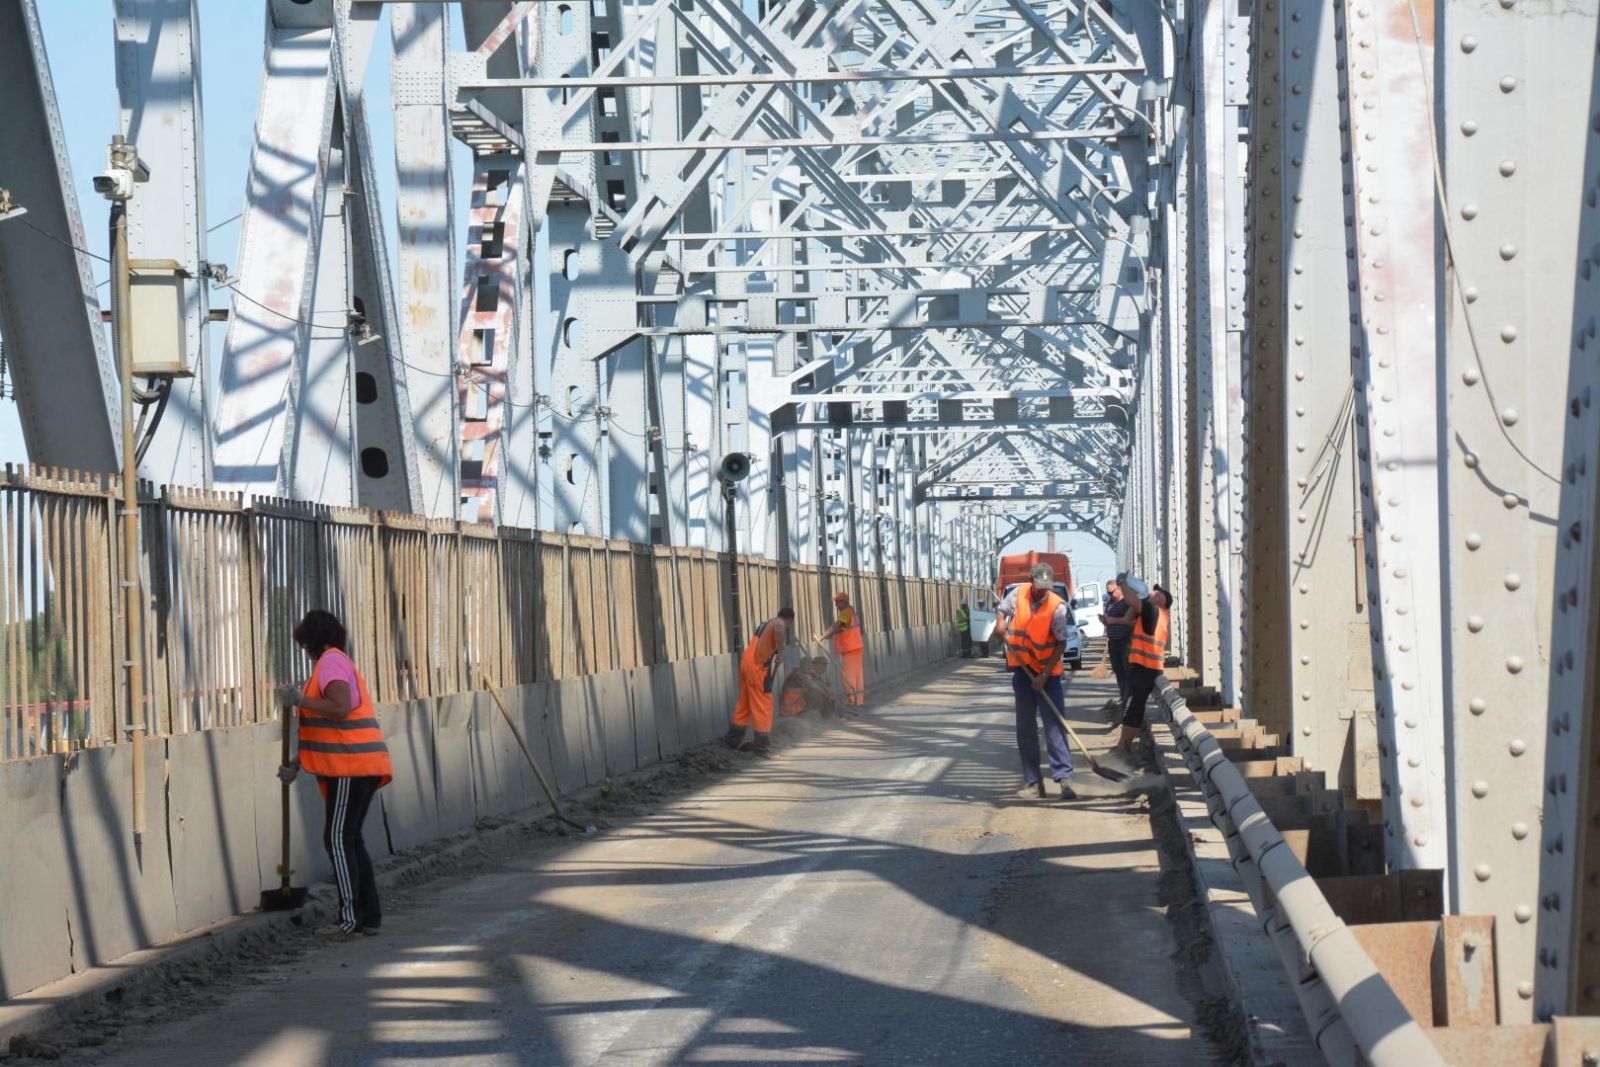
(77, 890)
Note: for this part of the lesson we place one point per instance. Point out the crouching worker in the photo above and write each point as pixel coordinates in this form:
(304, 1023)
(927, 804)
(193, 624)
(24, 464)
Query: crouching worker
(758, 667)
(807, 689)
(340, 742)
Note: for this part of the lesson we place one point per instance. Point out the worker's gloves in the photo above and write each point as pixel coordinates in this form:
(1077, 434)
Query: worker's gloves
(289, 696)
(288, 772)
(1039, 682)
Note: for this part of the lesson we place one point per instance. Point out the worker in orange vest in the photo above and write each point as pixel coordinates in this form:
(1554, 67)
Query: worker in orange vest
(1147, 658)
(1035, 620)
(851, 650)
(758, 667)
(340, 742)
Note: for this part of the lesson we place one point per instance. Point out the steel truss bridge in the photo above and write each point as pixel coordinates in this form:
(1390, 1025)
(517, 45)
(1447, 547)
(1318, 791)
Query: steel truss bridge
(1291, 301)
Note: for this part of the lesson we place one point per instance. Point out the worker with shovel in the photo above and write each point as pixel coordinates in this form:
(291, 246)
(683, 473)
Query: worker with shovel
(341, 743)
(1035, 622)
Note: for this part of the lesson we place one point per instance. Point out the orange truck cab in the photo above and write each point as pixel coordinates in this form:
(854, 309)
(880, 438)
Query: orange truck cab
(1018, 570)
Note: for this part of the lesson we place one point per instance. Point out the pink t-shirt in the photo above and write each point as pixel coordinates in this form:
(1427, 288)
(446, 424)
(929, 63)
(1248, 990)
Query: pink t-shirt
(335, 666)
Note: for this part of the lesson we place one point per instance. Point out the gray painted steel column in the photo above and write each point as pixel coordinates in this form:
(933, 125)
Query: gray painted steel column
(1396, 420)
(158, 80)
(1321, 600)
(56, 348)
(1513, 184)
(1567, 980)
(429, 296)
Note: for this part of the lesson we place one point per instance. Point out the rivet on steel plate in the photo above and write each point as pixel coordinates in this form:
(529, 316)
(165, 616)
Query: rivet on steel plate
(1508, 84)
(1513, 581)
(1482, 872)
(1468, 128)
(1517, 746)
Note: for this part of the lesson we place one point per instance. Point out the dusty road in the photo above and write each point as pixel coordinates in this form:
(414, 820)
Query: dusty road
(875, 895)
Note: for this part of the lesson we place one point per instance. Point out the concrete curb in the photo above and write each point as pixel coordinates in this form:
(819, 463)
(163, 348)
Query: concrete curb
(1256, 985)
(36, 1013)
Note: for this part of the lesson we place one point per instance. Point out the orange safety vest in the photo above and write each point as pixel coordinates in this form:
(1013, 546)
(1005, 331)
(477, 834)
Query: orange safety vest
(1149, 650)
(1029, 642)
(848, 639)
(351, 747)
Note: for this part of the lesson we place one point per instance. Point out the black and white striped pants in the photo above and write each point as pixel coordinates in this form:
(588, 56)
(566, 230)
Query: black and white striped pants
(346, 802)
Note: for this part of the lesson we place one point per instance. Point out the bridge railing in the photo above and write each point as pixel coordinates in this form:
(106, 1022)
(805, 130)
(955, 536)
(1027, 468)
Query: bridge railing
(432, 606)
(1353, 1013)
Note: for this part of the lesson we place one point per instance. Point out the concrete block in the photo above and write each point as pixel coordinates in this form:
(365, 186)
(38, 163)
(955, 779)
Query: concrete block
(121, 897)
(713, 702)
(615, 709)
(35, 945)
(664, 705)
(565, 726)
(307, 857)
(538, 715)
(408, 805)
(211, 823)
(593, 731)
(453, 764)
(646, 732)
(686, 698)
(498, 763)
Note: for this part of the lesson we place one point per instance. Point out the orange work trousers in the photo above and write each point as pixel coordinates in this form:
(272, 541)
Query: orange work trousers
(755, 703)
(855, 677)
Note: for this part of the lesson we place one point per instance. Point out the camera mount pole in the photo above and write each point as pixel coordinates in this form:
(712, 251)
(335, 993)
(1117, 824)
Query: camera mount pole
(124, 158)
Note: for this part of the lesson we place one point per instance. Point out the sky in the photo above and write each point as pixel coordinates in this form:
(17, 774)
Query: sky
(79, 40)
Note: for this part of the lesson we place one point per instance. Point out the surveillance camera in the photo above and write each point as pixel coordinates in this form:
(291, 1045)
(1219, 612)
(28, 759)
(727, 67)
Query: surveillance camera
(114, 184)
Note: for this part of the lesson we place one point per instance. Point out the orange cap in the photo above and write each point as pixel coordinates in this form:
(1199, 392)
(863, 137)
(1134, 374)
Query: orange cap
(840, 596)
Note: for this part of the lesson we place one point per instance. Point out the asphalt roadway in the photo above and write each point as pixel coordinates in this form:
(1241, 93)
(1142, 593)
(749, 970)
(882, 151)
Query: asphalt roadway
(876, 894)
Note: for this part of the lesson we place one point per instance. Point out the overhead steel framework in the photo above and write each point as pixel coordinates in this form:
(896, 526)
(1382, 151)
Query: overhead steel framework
(1291, 301)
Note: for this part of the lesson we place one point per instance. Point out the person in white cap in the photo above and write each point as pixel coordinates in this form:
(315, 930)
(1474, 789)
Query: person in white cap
(1147, 658)
(1035, 621)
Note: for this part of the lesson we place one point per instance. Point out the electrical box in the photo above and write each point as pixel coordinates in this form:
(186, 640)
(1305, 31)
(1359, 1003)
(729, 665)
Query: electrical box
(157, 289)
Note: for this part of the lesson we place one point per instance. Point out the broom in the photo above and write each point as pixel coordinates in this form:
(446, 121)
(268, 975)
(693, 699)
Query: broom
(549, 794)
(1105, 772)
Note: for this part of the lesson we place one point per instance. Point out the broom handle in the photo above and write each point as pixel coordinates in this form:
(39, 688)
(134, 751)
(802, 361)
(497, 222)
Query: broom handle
(283, 797)
(1062, 719)
(550, 796)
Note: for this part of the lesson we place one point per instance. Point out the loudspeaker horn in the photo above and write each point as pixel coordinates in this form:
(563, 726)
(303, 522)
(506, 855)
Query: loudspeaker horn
(735, 467)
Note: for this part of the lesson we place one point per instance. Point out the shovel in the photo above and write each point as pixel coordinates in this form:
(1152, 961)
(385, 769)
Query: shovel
(549, 794)
(1105, 772)
(286, 897)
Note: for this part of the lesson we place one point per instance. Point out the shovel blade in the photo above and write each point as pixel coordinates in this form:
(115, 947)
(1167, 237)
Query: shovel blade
(284, 898)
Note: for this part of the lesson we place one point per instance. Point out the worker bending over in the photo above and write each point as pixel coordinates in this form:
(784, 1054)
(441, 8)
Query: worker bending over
(758, 668)
(1147, 658)
(851, 650)
(1035, 622)
(806, 689)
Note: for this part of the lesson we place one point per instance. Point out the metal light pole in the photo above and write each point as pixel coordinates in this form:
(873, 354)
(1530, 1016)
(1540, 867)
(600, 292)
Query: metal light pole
(116, 184)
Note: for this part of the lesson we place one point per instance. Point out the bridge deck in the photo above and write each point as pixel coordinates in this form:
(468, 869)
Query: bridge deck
(873, 895)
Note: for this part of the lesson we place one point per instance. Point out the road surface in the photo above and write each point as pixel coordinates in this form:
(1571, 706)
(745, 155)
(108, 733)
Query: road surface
(874, 895)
